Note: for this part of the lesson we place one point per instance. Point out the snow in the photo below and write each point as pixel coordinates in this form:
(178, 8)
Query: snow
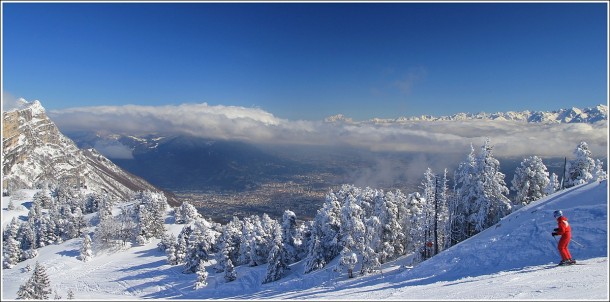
(511, 260)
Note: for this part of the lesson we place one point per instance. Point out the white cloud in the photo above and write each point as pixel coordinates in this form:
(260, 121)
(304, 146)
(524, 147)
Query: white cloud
(113, 149)
(514, 139)
(9, 102)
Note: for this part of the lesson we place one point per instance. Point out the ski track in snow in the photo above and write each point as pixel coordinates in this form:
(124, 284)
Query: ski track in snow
(512, 260)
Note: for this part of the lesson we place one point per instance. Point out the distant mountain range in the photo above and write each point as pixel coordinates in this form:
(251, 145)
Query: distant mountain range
(35, 152)
(572, 115)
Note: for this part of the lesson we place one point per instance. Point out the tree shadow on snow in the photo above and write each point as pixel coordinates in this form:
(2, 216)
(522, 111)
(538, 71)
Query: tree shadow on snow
(69, 253)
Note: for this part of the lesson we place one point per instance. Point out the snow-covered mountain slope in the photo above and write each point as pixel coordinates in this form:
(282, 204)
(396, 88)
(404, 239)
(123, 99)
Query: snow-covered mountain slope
(571, 115)
(513, 260)
(35, 151)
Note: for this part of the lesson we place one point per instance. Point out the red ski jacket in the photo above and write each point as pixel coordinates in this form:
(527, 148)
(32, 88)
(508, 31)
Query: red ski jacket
(564, 226)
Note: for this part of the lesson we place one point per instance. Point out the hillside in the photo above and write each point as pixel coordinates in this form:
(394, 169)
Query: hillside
(35, 152)
(512, 260)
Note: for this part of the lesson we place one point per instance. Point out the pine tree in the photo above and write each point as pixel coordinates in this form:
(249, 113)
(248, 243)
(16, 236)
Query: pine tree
(37, 287)
(530, 181)
(186, 213)
(127, 225)
(12, 253)
(202, 275)
(598, 172)
(230, 273)
(26, 291)
(245, 248)
(92, 203)
(278, 257)
(10, 206)
(85, 252)
(181, 249)
(581, 167)
(392, 234)
(480, 201)
(79, 223)
(11, 230)
(348, 260)
(352, 226)
(170, 250)
(492, 204)
(372, 244)
(228, 245)
(324, 243)
(553, 185)
(70, 294)
(43, 199)
(289, 233)
(150, 215)
(199, 246)
(107, 231)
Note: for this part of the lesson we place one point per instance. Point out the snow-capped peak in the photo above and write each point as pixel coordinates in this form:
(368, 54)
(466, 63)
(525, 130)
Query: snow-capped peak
(572, 115)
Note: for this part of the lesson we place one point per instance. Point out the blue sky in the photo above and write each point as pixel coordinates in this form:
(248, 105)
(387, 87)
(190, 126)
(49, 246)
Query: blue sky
(309, 60)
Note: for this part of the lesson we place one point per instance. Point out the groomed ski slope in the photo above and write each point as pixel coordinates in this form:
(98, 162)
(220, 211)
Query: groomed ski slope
(513, 260)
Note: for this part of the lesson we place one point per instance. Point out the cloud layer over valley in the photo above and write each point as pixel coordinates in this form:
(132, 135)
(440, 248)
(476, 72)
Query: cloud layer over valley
(510, 138)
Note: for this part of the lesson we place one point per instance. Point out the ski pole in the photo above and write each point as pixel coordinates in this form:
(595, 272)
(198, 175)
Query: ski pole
(555, 248)
(577, 243)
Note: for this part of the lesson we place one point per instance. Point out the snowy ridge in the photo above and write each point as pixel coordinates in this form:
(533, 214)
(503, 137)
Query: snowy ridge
(572, 115)
(34, 151)
(514, 259)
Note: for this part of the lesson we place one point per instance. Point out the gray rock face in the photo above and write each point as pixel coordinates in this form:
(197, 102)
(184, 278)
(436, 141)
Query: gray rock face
(35, 152)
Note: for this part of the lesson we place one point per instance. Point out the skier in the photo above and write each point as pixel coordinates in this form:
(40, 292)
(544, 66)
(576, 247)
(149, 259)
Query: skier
(565, 231)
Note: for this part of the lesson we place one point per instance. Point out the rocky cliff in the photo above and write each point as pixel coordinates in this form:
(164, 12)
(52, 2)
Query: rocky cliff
(35, 152)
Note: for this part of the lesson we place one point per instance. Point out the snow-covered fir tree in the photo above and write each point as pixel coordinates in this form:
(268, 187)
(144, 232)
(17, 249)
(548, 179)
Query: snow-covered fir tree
(181, 249)
(493, 203)
(554, 184)
(11, 205)
(278, 257)
(392, 234)
(417, 225)
(150, 213)
(372, 244)
(92, 202)
(579, 170)
(37, 287)
(324, 244)
(202, 275)
(199, 245)
(164, 243)
(352, 227)
(127, 225)
(43, 199)
(170, 250)
(256, 239)
(289, 235)
(70, 295)
(230, 273)
(186, 213)
(598, 172)
(85, 251)
(11, 253)
(480, 193)
(107, 231)
(530, 181)
(229, 243)
(348, 260)
(247, 238)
